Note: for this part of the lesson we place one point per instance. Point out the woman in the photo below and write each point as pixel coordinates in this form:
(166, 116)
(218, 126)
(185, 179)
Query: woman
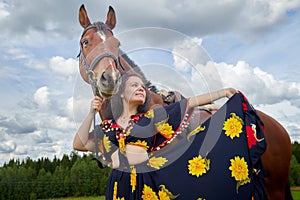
(151, 151)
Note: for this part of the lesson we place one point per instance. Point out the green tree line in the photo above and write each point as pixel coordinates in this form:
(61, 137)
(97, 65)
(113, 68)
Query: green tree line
(73, 175)
(295, 165)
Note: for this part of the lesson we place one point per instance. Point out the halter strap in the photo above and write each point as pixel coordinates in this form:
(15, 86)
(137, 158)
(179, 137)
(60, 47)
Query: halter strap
(100, 26)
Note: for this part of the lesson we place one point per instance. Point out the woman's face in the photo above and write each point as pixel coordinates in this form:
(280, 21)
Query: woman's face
(135, 92)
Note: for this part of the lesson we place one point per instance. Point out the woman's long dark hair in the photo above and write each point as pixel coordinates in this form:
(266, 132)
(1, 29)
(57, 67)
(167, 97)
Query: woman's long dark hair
(116, 104)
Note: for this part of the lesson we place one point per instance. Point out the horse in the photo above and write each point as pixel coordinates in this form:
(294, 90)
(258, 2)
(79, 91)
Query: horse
(102, 63)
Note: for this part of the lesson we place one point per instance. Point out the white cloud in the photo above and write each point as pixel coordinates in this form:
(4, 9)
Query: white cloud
(261, 86)
(3, 13)
(282, 110)
(7, 146)
(64, 67)
(39, 136)
(69, 107)
(41, 97)
(285, 113)
(17, 53)
(189, 17)
(250, 80)
(258, 14)
(189, 52)
(208, 75)
(61, 123)
(192, 59)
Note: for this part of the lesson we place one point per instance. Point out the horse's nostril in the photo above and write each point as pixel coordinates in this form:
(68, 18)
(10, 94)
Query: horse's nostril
(117, 78)
(104, 79)
(103, 76)
(108, 80)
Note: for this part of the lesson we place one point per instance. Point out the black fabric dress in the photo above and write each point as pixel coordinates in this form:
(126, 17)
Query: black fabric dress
(218, 159)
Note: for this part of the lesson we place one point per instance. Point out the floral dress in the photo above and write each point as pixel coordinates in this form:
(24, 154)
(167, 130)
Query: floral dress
(218, 159)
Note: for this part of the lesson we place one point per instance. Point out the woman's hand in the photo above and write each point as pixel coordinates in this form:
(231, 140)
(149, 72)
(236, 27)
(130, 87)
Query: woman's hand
(81, 140)
(96, 104)
(229, 92)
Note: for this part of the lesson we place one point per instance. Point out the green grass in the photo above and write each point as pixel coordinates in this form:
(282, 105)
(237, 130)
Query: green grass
(80, 198)
(296, 194)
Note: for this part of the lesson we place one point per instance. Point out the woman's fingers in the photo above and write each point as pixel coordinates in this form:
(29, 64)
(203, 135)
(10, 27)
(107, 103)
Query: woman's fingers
(230, 92)
(97, 97)
(96, 103)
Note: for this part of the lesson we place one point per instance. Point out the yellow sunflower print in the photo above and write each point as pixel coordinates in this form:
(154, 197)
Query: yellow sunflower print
(165, 129)
(115, 192)
(106, 143)
(239, 168)
(198, 166)
(239, 171)
(140, 143)
(148, 193)
(133, 178)
(149, 114)
(122, 144)
(233, 126)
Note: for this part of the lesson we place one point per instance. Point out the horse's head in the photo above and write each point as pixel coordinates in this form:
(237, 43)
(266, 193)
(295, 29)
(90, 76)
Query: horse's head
(98, 59)
(102, 63)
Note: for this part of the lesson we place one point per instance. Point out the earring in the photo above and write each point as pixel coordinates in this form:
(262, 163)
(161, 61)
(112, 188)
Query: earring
(122, 96)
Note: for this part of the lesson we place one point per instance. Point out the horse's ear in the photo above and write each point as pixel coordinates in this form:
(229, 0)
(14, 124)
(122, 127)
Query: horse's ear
(83, 17)
(111, 18)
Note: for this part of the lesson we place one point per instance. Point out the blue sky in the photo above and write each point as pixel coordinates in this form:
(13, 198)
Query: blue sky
(252, 45)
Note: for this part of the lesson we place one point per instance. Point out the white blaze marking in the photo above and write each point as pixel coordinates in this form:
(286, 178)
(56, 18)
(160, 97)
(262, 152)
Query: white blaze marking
(102, 35)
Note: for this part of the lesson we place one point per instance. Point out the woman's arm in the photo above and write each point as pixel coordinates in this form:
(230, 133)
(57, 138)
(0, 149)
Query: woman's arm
(81, 140)
(208, 98)
(134, 155)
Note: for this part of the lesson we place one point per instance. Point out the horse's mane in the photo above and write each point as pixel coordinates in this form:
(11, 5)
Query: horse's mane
(138, 70)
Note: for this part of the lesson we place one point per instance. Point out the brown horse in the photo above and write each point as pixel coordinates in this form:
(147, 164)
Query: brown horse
(102, 63)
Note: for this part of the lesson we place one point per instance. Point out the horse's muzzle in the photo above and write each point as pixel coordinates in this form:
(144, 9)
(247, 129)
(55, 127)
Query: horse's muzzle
(108, 83)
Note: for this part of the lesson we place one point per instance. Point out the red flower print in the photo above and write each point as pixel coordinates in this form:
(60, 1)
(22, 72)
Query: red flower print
(251, 137)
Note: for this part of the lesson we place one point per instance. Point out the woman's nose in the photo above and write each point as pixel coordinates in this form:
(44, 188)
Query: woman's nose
(141, 88)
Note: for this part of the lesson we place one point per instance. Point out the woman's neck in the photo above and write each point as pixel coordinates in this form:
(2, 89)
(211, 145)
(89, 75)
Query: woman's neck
(128, 111)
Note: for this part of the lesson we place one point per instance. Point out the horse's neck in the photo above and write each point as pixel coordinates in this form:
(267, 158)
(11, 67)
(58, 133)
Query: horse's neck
(129, 65)
(125, 65)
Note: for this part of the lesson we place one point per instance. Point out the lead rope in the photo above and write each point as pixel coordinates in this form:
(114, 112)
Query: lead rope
(96, 93)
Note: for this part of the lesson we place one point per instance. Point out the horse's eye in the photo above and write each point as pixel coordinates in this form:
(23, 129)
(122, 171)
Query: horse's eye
(85, 42)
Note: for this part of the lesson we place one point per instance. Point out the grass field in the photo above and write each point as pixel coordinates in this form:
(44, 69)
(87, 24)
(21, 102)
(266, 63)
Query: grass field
(80, 198)
(296, 193)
